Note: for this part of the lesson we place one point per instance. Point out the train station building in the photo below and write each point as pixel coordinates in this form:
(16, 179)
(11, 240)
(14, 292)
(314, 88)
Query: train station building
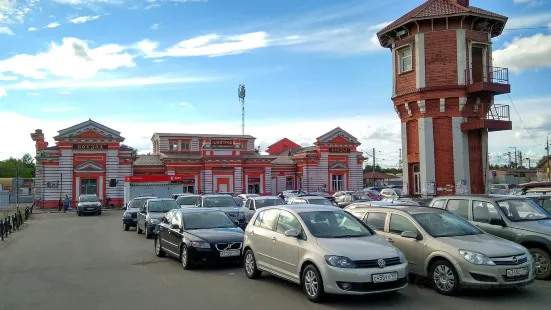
(88, 159)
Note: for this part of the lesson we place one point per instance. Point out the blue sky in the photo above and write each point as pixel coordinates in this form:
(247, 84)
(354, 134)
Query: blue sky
(174, 66)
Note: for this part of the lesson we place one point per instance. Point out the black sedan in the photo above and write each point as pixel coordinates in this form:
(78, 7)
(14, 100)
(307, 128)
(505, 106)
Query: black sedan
(197, 236)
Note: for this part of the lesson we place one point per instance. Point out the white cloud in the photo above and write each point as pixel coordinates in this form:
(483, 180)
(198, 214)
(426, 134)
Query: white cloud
(64, 93)
(32, 29)
(186, 104)
(7, 78)
(529, 2)
(53, 25)
(2, 92)
(6, 30)
(83, 19)
(214, 45)
(154, 27)
(110, 83)
(72, 58)
(63, 109)
(14, 12)
(34, 94)
(525, 53)
(527, 21)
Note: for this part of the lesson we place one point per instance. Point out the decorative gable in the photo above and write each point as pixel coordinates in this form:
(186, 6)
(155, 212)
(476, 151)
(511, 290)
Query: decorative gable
(89, 166)
(338, 135)
(89, 129)
(337, 164)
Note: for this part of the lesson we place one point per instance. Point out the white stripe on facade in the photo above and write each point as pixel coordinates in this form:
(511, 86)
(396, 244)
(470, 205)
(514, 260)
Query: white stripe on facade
(485, 166)
(420, 60)
(238, 174)
(393, 70)
(405, 167)
(426, 155)
(268, 180)
(461, 56)
(461, 168)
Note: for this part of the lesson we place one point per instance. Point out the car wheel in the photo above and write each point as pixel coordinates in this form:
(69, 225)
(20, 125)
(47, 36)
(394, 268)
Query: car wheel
(184, 258)
(312, 284)
(158, 247)
(99, 213)
(250, 266)
(146, 232)
(542, 260)
(445, 278)
(125, 226)
(78, 213)
(138, 229)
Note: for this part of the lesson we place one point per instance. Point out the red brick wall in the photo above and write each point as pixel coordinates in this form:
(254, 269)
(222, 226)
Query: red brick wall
(412, 129)
(475, 162)
(405, 81)
(443, 152)
(440, 58)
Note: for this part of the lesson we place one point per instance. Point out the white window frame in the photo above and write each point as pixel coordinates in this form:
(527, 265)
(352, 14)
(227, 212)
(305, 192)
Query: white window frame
(173, 145)
(183, 144)
(401, 52)
(337, 182)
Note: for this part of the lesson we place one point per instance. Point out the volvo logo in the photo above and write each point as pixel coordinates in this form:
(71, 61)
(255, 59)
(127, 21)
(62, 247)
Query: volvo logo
(228, 247)
(515, 260)
(381, 262)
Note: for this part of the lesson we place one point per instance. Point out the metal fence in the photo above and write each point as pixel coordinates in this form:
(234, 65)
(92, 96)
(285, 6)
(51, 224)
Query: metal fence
(13, 221)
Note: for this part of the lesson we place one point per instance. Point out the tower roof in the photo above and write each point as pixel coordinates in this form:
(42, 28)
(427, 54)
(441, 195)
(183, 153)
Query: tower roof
(442, 8)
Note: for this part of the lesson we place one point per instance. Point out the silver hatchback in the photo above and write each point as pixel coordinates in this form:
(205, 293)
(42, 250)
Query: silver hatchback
(324, 249)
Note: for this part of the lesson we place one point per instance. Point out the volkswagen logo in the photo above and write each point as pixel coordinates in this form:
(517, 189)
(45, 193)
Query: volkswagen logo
(515, 259)
(381, 262)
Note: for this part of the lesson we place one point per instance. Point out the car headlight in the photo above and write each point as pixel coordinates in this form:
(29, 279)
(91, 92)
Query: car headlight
(528, 256)
(476, 258)
(154, 221)
(127, 215)
(200, 244)
(339, 261)
(402, 256)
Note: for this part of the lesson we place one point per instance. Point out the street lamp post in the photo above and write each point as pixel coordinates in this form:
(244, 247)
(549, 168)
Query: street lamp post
(548, 168)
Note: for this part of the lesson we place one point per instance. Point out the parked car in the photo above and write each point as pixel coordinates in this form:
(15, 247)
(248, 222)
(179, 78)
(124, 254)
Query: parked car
(244, 197)
(254, 203)
(501, 189)
(239, 201)
(510, 217)
(130, 215)
(324, 249)
(310, 200)
(373, 194)
(151, 213)
(321, 194)
(187, 201)
(346, 199)
(340, 193)
(175, 196)
(543, 201)
(225, 203)
(196, 236)
(374, 188)
(391, 192)
(449, 250)
(88, 204)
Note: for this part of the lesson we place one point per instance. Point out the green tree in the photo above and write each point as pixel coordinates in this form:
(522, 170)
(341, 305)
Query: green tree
(8, 167)
(542, 161)
(134, 151)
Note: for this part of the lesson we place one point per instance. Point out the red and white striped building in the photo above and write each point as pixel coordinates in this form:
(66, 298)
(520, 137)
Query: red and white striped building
(88, 157)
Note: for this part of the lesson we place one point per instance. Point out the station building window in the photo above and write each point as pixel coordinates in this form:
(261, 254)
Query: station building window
(337, 182)
(173, 145)
(185, 146)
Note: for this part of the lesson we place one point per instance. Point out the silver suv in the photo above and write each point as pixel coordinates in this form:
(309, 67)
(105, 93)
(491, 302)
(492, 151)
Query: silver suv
(324, 249)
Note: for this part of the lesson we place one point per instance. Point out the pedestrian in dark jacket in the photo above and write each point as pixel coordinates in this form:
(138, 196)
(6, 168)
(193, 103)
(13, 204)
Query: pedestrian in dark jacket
(67, 203)
(59, 204)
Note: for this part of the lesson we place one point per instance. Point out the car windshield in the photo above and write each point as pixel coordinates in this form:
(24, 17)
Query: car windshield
(322, 201)
(162, 206)
(444, 224)
(373, 192)
(334, 224)
(207, 220)
(398, 191)
(268, 202)
(136, 203)
(219, 202)
(88, 199)
(238, 201)
(521, 210)
(361, 196)
(186, 200)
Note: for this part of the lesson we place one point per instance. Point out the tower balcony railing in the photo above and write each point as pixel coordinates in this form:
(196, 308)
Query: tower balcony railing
(487, 79)
(496, 117)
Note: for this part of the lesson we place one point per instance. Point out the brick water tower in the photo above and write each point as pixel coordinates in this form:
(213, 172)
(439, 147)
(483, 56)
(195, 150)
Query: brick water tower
(443, 87)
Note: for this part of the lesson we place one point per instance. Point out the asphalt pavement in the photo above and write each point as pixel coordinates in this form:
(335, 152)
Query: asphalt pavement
(61, 261)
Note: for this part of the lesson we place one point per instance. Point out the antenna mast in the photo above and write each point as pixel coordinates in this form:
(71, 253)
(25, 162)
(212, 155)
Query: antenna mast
(241, 95)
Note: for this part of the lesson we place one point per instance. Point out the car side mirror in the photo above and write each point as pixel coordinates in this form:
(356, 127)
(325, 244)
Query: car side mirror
(410, 234)
(293, 233)
(497, 221)
(175, 226)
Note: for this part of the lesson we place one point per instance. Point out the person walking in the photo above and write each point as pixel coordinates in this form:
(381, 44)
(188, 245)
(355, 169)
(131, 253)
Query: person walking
(67, 203)
(59, 204)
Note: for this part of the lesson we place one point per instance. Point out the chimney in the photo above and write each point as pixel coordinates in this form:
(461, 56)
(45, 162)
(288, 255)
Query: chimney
(464, 3)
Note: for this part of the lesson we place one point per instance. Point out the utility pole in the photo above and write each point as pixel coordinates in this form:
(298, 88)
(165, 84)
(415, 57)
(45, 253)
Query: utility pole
(373, 160)
(509, 159)
(548, 168)
(520, 157)
(16, 185)
(399, 158)
(516, 162)
(241, 95)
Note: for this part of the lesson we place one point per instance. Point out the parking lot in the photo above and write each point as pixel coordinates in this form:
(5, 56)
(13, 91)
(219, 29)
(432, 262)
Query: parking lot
(61, 261)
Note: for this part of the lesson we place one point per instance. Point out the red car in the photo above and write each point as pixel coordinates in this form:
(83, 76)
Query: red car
(373, 194)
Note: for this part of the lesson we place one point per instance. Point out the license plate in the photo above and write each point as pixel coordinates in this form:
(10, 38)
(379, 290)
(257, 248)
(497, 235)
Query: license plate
(135, 220)
(89, 209)
(517, 272)
(230, 253)
(385, 277)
